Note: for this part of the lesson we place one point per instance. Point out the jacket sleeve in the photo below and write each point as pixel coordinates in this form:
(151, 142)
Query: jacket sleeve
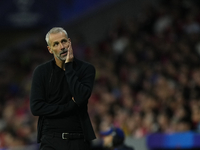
(38, 104)
(80, 87)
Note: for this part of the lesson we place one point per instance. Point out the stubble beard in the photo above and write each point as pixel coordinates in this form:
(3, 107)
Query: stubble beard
(60, 57)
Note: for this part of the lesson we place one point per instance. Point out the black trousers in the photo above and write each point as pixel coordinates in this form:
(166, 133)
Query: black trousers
(55, 143)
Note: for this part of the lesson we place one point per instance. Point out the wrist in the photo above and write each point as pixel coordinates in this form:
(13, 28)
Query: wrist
(69, 60)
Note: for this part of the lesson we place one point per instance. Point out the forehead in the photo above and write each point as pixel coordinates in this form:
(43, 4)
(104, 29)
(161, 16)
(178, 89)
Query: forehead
(55, 37)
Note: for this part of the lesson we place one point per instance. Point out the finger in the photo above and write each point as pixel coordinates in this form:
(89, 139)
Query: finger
(70, 55)
(70, 50)
(70, 47)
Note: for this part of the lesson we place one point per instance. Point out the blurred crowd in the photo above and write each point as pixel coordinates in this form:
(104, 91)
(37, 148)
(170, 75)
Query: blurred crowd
(147, 76)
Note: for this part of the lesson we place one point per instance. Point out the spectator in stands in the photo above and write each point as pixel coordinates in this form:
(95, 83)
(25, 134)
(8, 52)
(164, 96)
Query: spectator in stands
(111, 139)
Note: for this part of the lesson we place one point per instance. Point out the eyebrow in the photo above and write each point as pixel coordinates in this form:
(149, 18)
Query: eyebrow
(62, 40)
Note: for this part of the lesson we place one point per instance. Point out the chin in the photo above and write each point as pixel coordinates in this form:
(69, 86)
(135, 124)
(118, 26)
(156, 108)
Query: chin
(63, 59)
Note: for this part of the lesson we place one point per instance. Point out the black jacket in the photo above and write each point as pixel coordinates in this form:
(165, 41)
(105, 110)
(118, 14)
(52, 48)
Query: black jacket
(80, 78)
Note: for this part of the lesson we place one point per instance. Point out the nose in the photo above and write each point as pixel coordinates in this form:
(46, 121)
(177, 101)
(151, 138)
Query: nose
(61, 46)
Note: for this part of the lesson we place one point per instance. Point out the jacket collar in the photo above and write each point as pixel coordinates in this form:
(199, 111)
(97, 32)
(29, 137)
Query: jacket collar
(75, 62)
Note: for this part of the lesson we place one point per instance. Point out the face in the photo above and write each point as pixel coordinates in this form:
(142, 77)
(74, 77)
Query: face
(58, 46)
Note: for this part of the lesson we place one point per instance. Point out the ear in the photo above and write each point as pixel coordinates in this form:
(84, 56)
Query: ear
(69, 39)
(49, 49)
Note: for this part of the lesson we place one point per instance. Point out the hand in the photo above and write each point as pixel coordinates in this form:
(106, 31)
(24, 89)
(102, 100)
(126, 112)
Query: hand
(107, 141)
(73, 99)
(70, 55)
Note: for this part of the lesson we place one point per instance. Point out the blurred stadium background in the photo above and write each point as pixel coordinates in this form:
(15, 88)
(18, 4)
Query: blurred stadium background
(146, 54)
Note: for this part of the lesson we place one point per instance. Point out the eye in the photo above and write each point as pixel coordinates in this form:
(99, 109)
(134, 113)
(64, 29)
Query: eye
(64, 41)
(55, 44)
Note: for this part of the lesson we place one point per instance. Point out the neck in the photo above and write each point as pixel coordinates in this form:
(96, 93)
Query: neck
(60, 64)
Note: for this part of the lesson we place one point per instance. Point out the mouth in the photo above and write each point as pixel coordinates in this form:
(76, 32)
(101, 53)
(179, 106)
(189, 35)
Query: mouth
(63, 53)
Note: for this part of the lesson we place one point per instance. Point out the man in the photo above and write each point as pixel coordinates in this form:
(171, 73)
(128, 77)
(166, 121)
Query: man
(59, 95)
